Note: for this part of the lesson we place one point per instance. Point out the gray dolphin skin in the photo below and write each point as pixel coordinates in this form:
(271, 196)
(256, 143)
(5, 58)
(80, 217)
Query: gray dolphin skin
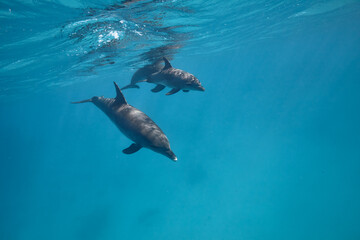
(166, 76)
(134, 124)
(174, 78)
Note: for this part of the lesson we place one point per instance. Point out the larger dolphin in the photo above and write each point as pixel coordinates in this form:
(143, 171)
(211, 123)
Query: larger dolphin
(134, 124)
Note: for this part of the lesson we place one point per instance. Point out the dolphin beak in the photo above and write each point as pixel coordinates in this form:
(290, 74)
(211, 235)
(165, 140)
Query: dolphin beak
(201, 88)
(170, 154)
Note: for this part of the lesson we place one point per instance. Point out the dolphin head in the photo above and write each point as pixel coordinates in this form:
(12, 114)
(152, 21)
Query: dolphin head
(194, 84)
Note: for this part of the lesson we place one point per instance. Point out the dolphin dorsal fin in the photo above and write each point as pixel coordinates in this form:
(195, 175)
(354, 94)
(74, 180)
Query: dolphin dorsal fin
(167, 63)
(119, 96)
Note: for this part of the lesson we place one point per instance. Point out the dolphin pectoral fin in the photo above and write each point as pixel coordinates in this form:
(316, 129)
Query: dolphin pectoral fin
(132, 149)
(83, 101)
(173, 91)
(185, 90)
(130, 86)
(158, 88)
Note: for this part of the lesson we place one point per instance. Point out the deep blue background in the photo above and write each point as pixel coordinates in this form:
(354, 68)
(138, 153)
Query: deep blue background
(271, 150)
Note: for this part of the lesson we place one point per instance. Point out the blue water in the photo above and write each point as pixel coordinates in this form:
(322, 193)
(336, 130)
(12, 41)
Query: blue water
(271, 149)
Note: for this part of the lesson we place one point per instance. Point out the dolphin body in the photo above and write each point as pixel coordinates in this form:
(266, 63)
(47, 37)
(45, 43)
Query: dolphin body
(174, 78)
(134, 124)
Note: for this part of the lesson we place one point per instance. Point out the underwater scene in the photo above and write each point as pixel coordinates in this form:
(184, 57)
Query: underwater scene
(175, 119)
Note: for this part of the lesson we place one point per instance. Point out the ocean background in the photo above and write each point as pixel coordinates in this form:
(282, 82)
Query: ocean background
(270, 150)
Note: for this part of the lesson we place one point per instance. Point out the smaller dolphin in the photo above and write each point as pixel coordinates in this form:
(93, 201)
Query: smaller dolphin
(134, 124)
(175, 78)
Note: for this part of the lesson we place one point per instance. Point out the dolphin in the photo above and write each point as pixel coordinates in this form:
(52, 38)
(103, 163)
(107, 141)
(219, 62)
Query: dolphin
(168, 76)
(134, 124)
(174, 78)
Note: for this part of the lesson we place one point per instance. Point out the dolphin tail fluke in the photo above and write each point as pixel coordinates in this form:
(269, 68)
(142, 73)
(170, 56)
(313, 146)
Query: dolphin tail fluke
(83, 101)
(130, 86)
